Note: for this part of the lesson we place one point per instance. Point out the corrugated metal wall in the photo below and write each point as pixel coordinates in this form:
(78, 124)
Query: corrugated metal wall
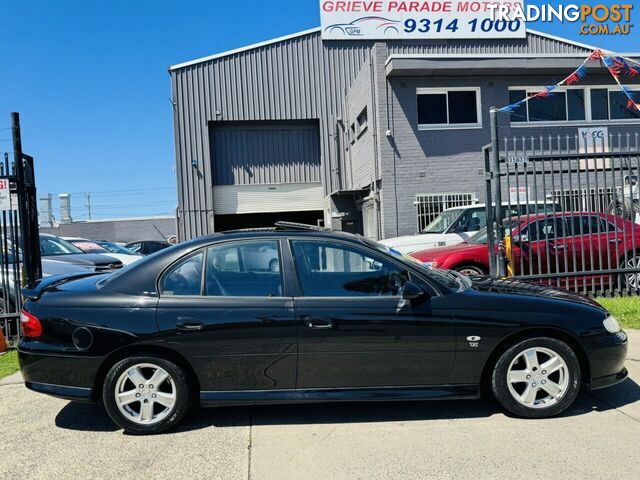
(296, 79)
(533, 44)
(265, 152)
(299, 78)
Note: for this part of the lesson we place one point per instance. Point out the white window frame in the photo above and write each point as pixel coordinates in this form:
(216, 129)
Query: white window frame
(589, 121)
(445, 91)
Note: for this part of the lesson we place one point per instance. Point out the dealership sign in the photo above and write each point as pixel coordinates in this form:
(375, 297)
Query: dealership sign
(388, 20)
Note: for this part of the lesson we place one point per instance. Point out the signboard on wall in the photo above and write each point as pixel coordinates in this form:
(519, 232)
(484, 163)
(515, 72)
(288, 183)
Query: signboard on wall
(389, 20)
(593, 140)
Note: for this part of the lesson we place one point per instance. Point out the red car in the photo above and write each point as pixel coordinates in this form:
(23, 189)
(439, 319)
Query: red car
(553, 243)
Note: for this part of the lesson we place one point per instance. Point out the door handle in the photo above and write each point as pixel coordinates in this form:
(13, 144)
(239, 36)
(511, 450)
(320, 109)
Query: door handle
(318, 323)
(615, 240)
(189, 324)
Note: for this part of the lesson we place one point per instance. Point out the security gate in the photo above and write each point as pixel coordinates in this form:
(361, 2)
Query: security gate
(19, 241)
(585, 235)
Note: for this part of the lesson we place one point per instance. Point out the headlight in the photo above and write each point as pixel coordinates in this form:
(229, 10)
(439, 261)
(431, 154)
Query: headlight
(611, 324)
(430, 264)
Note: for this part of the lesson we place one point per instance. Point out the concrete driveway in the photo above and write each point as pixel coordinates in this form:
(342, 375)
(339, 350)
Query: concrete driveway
(46, 438)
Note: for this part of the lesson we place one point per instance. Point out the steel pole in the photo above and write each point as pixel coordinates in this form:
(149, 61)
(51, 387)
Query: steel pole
(27, 208)
(495, 157)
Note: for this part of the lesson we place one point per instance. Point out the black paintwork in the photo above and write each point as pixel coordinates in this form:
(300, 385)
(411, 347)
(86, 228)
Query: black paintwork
(249, 350)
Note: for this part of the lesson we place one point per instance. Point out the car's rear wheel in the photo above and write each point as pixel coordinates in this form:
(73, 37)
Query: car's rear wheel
(470, 270)
(146, 394)
(537, 378)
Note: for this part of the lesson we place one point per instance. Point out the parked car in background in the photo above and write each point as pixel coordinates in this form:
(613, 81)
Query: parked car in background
(556, 243)
(147, 247)
(344, 319)
(469, 258)
(114, 247)
(89, 246)
(456, 225)
(63, 251)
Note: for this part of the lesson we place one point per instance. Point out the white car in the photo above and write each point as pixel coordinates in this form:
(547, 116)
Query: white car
(457, 225)
(89, 246)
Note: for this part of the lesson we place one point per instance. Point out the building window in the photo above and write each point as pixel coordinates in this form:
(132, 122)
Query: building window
(450, 108)
(429, 206)
(362, 122)
(582, 105)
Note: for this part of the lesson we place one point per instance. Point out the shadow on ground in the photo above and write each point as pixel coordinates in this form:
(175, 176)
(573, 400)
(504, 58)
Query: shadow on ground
(93, 417)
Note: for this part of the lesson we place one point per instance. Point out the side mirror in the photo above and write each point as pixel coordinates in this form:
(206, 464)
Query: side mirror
(411, 291)
(519, 239)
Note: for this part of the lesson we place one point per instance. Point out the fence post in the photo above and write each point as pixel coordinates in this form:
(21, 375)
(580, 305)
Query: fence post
(489, 210)
(27, 206)
(495, 154)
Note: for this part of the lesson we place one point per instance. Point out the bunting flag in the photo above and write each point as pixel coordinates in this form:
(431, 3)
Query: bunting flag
(618, 66)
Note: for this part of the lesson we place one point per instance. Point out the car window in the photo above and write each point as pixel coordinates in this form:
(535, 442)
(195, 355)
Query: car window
(442, 221)
(185, 278)
(89, 246)
(471, 221)
(329, 269)
(244, 269)
(546, 229)
(135, 247)
(50, 246)
(588, 225)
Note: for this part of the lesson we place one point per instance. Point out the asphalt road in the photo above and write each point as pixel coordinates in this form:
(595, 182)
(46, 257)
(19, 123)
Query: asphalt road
(46, 438)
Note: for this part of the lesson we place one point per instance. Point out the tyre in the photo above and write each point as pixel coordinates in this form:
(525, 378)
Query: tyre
(536, 378)
(146, 394)
(470, 270)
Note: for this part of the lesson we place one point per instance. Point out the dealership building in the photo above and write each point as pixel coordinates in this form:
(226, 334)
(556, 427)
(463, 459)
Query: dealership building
(369, 136)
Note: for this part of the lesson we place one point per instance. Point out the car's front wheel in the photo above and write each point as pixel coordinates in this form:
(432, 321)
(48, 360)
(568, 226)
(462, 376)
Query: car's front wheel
(146, 394)
(470, 270)
(537, 378)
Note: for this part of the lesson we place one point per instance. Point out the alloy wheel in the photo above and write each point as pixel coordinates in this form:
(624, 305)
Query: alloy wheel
(633, 279)
(145, 394)
(469, 271)
(538, 377)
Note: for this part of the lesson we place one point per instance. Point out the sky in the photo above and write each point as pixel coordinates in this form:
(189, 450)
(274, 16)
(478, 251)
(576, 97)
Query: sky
(90, 82)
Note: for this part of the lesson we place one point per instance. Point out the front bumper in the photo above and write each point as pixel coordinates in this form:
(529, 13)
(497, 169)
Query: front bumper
(607, 357)
(71, 377)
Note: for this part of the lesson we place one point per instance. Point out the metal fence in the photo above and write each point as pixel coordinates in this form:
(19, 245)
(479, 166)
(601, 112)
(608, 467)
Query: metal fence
(586, 236)
(10, 299)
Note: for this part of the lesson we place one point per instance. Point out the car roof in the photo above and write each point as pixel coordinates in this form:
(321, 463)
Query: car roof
(538, 216)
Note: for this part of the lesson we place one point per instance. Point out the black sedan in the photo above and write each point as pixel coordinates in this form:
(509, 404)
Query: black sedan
(342, 318)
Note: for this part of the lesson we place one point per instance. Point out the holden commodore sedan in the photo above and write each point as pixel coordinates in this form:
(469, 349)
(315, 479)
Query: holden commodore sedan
(342, 319)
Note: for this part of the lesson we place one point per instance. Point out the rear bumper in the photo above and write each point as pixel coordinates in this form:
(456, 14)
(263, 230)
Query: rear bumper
(70, 377)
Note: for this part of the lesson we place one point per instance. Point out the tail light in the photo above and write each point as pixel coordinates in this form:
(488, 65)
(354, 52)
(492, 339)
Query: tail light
(30, 325)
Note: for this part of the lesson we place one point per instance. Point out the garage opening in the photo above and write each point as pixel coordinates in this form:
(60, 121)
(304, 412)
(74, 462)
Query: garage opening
(265, 171)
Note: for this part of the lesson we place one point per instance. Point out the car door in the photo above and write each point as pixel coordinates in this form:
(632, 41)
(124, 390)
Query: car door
(232, 320)
(540, 247)
(355, 330)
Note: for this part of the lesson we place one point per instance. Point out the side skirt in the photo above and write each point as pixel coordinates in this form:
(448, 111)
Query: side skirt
(252, 397)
